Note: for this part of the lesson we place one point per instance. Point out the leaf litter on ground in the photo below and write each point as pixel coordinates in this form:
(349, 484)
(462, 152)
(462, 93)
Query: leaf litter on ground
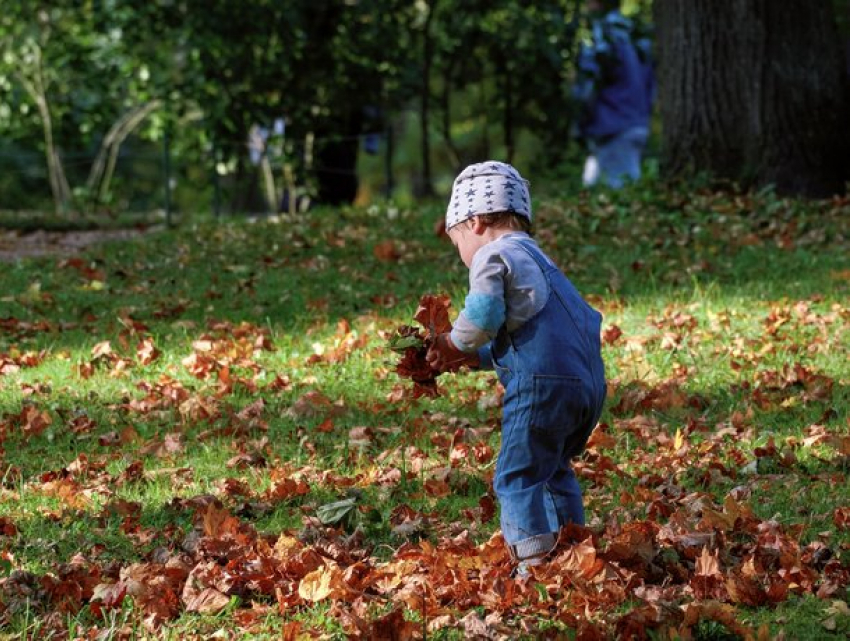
(215, 465)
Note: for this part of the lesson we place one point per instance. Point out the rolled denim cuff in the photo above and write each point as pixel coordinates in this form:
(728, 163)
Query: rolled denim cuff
(537, 545)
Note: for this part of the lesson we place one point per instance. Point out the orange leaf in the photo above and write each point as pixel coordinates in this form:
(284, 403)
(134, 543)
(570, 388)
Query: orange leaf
(707, 564)
(146, 352)
(387, 251)
(217, 522)
(34, 421)
(7, 527)
(317, 585)
(611, 335)
(207, 601)
(437, 488)
(841, 518)
(580, 560)
(433, 313)
(101, 350)
(746, 590)
(715, 611)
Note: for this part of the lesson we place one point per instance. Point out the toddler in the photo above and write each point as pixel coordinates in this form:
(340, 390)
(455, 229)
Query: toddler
(523, 318)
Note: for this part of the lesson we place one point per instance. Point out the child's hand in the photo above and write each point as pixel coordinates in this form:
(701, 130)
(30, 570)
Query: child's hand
(445, 357)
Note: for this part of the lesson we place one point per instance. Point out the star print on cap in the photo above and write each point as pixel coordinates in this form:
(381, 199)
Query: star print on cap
(488, 188)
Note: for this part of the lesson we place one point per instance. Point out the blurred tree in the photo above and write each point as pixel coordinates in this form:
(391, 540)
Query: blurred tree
(361, 60)
(91, 88)
(530, 49)
(82, 77)
(318, 64)
(519, 54)
(754, 91)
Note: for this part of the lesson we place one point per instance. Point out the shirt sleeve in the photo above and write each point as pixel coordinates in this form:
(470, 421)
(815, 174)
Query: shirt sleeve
(483, 313)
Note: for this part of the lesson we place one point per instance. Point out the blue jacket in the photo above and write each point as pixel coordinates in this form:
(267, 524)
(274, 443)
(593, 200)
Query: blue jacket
(616, 81)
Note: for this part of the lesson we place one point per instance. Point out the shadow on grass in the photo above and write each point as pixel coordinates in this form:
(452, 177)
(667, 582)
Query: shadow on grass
(175, 326)
(642, 247)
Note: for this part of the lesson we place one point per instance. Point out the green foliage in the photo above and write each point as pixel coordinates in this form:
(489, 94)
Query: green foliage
(209, 71)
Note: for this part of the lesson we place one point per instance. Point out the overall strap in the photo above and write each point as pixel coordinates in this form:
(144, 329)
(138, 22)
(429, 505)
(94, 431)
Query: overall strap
(536, 255)
(547, 269)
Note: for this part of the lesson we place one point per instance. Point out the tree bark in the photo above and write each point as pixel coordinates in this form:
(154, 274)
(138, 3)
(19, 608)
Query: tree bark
(504, 73)
(34, 83)
(427, 187)
(754, 91)
(103, 168)
(445, 96)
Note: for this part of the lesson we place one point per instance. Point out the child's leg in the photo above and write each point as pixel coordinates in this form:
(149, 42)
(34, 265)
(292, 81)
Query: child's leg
(529, 512)
(535, 484)
(565, 494)
(564, 486)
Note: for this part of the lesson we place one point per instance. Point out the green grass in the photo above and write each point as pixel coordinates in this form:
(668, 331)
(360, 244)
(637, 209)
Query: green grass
(734, 320)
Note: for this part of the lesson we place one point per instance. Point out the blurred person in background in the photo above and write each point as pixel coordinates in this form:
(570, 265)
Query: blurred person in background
(614, 90)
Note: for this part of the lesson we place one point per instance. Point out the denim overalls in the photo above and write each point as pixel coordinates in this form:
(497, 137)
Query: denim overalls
(551, 369)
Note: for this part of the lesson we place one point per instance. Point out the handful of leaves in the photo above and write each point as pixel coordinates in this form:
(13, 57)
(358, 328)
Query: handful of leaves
(413, 344)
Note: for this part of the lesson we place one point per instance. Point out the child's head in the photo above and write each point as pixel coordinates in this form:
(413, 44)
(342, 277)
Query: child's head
(493, 191)
(488, 200)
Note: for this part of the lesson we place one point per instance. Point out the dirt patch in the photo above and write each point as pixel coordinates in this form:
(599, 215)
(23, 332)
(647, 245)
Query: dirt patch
(15, 245)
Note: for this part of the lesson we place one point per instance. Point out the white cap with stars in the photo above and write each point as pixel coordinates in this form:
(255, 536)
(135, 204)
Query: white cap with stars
(488, 188)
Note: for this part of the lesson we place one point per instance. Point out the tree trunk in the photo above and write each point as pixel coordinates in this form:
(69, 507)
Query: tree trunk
(103, 168)
(504, 75)
(336, 158)
(427, 187)
(448, 141)
(754, 91)
(33, 81)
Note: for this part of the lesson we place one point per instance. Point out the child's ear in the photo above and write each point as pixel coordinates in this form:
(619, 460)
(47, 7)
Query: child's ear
(478, 225)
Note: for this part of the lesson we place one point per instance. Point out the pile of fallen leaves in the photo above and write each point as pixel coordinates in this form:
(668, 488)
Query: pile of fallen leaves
(701, 565)
(413, 344)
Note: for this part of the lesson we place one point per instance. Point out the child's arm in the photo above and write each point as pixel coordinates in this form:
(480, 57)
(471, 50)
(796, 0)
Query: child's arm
(484, 311)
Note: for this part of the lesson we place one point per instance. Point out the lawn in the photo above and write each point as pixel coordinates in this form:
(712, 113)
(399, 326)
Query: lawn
(203, 434)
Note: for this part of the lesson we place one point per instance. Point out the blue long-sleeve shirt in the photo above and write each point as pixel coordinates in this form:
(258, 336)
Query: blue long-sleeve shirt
(506, 287)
